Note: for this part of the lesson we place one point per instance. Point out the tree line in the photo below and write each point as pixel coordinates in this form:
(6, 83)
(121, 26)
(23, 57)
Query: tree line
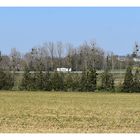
(58, 81)
(40, 65)
(57, 55)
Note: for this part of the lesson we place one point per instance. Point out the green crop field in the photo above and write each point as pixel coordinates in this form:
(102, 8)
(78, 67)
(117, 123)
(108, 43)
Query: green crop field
(48, 112)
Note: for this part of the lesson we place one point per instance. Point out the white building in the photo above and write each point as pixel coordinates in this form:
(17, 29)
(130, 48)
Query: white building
(64, 69)
(136, 59)
(122, 58)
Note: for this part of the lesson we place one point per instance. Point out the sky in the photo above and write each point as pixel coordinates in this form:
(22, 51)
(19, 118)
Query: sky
(114, 29)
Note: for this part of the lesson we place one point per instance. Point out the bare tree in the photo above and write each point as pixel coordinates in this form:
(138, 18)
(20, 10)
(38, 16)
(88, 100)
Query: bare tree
(45, 57)
(85, 54)
(51, 48)
(59, 52)
(5, 62)
(15, 59)
(69, 48)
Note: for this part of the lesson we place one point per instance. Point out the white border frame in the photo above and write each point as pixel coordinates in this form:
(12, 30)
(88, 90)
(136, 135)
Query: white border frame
(70, 136)
(69, 3)
(74, 3)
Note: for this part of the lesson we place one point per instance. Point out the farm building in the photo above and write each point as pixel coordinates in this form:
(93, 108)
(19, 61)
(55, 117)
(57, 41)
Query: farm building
(64, 69)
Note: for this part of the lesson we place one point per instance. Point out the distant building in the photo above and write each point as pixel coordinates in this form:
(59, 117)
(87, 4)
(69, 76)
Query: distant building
(64, 69)
(122, 58)
(136, 59)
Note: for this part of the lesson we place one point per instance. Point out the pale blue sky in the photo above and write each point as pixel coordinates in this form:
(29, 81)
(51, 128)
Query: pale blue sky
(114, 29)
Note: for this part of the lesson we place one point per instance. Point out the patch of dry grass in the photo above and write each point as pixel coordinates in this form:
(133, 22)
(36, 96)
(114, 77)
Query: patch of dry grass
(36, 112)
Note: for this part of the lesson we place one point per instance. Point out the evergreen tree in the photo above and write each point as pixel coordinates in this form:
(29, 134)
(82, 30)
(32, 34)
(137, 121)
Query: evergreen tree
(68, 83)
(47, 84)
(128, 80)
(83, 83)
(57, 81)
(27, 79)
(92, 80)
(88, 80)
(136, 84)
(39, 80)
(107, 81)
(76, 86)
(32, 82)
(39, 75)
(9, 82)
(2, 79)
(6, 80)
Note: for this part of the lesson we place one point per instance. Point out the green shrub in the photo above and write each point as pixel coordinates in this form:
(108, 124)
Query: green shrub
(107, 81)
(128, 81)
